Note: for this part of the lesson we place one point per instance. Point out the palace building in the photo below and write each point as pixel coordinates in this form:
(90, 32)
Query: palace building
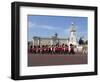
(55, 39)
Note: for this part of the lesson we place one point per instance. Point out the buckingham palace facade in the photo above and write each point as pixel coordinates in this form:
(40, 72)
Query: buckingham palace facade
(55, 39)
(49, 41)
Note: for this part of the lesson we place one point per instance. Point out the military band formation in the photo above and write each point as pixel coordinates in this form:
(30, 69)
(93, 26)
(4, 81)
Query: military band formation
(57, 49)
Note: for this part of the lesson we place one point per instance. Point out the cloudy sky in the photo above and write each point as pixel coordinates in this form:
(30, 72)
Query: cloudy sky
(47, 26)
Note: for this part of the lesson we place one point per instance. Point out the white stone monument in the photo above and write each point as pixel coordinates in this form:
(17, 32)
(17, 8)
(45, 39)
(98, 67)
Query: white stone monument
(73, 37)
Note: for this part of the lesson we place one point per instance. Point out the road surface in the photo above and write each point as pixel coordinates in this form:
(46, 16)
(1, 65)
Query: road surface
(47, 59)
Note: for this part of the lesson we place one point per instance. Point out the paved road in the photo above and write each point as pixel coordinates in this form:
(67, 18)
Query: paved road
(45, 60)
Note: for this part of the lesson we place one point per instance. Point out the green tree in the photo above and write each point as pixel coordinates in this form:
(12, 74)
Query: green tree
(81, 41)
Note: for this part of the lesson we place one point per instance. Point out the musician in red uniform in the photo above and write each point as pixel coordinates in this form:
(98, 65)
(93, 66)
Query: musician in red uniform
(60, 49)
(34, 50)
(63, 49)
(31, 47)
(72, 49)
(66, 49)
(51, 49)
(54, 50)
(40, 49)
(47, 49)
